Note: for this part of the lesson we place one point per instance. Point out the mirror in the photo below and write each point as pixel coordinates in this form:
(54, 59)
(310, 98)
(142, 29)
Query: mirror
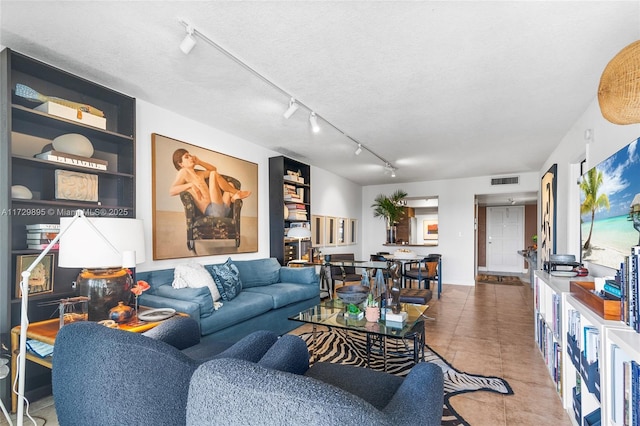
(422, 218)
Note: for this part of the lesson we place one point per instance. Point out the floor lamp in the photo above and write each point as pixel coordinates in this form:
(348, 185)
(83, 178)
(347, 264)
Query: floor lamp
(105, 243)
(299, 233)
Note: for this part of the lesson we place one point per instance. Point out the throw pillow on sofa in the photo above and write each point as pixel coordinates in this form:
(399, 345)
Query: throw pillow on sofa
(194, 275)
(227, 279)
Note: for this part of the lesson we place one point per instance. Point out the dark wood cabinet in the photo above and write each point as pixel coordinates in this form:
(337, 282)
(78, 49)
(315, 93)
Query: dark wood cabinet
(403, 228)
(289, 203)
(27, 129)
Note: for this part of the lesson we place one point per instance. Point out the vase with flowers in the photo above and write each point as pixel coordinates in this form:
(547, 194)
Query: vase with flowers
(137, 290)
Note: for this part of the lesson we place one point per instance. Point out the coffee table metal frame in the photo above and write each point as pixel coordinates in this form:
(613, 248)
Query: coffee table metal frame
(332, 314)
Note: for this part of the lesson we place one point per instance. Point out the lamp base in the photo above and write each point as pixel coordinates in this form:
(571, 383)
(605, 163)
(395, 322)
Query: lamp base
(104, 288)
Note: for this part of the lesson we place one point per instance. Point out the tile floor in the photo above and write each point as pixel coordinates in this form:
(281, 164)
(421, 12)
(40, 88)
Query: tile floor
(488, 330)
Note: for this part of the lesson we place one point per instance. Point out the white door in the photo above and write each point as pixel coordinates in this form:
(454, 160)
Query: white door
(504, 238)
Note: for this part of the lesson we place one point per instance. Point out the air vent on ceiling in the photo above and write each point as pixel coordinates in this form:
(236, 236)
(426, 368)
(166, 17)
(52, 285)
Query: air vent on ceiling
(512, 180)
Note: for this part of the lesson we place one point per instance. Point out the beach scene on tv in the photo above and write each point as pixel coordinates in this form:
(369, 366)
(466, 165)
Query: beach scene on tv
(610, 208)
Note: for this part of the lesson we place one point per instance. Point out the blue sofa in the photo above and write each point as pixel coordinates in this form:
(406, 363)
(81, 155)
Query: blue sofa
(270, 294)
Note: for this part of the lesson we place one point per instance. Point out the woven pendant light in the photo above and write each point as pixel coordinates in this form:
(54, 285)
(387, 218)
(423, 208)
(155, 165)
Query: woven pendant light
(619, 90)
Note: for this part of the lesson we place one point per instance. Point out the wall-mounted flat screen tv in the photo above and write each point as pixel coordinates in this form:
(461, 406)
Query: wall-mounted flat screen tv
(610, 208)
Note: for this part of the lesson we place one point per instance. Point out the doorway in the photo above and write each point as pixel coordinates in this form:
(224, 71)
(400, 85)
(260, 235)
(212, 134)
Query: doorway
(526, 200)
(505, 229)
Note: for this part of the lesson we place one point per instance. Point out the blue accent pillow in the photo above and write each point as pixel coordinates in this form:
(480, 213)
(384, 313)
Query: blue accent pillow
(227, 279)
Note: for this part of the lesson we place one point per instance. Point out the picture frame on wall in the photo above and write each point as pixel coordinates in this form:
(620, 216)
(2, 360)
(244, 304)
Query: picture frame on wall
(317, 231)
(204, 202)
(41, 278)
(330, 227)
(429, 229)
(341, 231)
(353, 231)
(547, 238)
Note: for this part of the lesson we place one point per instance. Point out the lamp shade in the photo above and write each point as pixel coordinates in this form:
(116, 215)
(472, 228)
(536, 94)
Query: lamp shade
(81, 246)
(299, 233)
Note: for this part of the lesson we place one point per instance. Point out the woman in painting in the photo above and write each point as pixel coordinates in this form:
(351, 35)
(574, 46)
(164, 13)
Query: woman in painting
(213, 199)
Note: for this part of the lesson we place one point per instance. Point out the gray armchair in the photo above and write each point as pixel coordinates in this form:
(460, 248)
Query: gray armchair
(324, 394)
(104, 376)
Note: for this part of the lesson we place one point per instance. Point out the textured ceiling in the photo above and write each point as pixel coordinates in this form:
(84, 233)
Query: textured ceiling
(440, 89)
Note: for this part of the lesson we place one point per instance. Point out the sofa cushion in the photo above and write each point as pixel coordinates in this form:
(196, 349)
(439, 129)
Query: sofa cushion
(226, 278)
(156, 278)
(284, 294)
(259, 272)
(243, 307)
(194, 275)
(201, 296)
(306, 275)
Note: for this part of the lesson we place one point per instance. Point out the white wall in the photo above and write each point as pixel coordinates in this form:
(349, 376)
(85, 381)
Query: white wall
(456, 231)
(339, 196)
(334, 196)
(607, 138)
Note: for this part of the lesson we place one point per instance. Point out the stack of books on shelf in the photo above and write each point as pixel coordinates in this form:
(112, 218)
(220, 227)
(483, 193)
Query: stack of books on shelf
(297, 211)
(626, 281)
(75, 160)
(39, 235)
(625, 388)
(290, 193)
(293, 177)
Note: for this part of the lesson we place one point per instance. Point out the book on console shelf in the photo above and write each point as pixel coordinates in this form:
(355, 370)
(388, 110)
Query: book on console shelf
(43, 227)
(39, 348)
(44, 235)
(75, 160)
(39, 240)
(56, 246)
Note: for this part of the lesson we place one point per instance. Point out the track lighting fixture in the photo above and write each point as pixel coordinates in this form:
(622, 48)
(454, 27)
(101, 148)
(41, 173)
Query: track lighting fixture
(293, 107)
(313, 119)
(189, 41)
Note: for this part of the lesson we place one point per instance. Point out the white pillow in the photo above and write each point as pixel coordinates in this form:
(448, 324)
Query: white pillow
(194, 275)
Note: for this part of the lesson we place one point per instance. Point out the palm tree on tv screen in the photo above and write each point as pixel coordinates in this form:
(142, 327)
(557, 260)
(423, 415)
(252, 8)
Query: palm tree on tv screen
(590, 186)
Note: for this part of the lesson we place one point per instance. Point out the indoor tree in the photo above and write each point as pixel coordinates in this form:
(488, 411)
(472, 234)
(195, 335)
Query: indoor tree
(593, 201)
(391, 209)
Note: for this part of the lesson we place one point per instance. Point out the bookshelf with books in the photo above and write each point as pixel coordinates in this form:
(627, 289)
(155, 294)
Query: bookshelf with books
(61, 131)
(289, 204)
(623, 369)
(587, 382)
(548, 299)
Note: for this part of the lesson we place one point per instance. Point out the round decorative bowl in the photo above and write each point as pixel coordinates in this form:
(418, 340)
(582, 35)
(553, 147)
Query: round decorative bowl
(355, 294)
(121, 313)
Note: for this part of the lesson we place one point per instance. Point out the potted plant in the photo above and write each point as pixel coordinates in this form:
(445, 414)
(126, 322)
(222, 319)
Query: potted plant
(391, 209)
(371, 311)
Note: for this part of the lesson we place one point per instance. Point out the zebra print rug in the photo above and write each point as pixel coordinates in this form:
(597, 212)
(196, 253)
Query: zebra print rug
(336, 346)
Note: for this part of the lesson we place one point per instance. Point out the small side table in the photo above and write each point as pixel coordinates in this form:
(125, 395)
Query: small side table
(46, 332)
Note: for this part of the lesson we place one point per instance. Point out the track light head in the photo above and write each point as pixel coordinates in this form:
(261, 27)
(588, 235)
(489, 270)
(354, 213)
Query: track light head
(293, 107)
(313, 119)
(189, 41)
(359, 150)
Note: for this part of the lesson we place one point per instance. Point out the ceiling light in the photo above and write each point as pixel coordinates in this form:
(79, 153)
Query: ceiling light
(293, 107)
(359, 150)
(393, 173)
(313, 119)
(189, 41)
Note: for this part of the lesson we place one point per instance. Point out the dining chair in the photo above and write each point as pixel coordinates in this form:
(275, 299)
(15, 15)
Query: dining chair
(428, 270)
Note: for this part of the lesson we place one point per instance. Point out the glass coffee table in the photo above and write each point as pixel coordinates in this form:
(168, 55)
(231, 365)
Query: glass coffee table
(332, 314)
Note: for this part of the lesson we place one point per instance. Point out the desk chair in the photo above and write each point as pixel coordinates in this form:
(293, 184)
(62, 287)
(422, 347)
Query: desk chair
(428, 270)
